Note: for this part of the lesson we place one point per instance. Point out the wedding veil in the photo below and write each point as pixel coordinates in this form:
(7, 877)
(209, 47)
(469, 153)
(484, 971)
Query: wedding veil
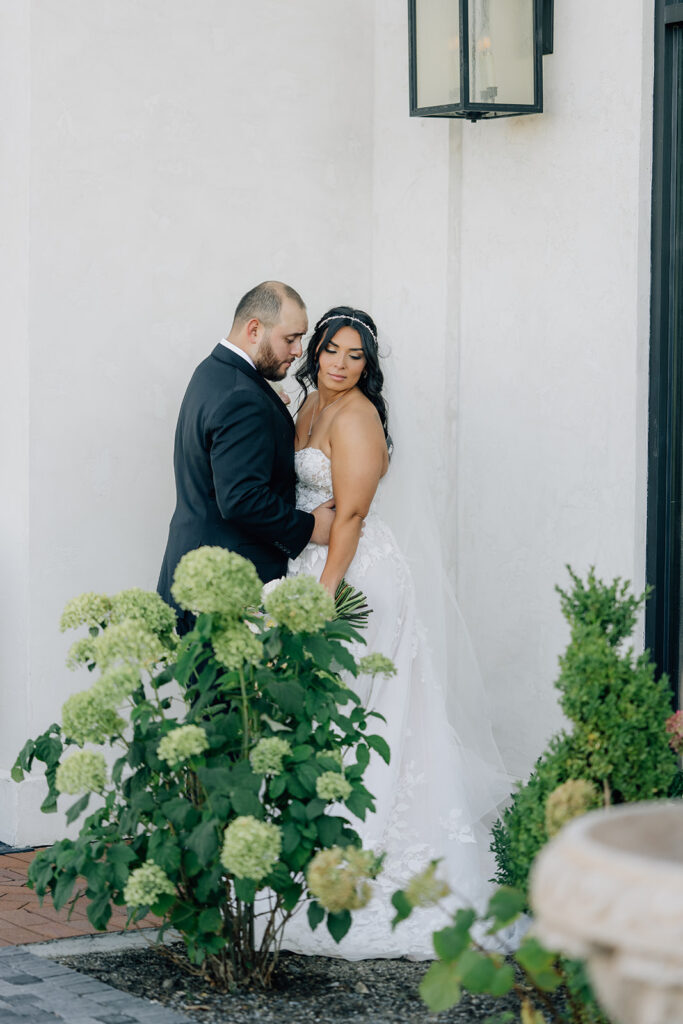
(417, 501)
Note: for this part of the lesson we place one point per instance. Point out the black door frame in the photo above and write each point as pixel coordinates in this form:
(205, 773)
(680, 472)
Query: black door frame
(665, 458)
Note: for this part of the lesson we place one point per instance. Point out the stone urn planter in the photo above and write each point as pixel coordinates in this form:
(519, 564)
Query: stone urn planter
(609, 890)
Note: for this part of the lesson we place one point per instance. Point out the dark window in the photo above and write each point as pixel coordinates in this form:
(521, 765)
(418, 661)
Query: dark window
(664, 621)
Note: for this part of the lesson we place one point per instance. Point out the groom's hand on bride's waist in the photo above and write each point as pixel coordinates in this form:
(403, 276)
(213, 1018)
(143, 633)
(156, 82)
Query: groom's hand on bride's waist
(324, 517)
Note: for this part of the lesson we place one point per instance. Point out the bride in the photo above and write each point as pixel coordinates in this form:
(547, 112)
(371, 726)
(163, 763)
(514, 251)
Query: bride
(434, 796)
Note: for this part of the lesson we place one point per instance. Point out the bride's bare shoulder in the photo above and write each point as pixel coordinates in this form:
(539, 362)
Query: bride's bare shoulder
(359, 424)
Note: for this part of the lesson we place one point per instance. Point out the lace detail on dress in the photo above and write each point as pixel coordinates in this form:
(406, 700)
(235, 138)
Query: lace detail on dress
(431, 797)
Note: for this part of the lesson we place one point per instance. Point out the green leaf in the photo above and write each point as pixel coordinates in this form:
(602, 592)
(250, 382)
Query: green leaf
(315, 914)
(505, 906)
(163, 849)
(119, 858)
(329, 830)
(99, 912)
(291, 895)
(314, 808)
(210, 920)
(288, 694)
(245, 802)
(163, 904)
(450, 942)
(532, 956)
(290, 837)
(380, 745)
(338, 924)
(402, 906)
(279, 878)
(503, 980)
(77, 808)
(440, 988)
(245, 889)
(476, 970)
(63, 889)
(48, 749)
(178, 811)
(204, 841)
(302, 752)
(276, 786)
(307, 774)
(216, 780)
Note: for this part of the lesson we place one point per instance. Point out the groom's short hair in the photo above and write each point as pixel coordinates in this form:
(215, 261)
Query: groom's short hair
(264, 302)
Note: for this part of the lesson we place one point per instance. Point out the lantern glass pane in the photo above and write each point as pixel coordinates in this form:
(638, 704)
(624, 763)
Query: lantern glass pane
(501, 51)
(437, 31)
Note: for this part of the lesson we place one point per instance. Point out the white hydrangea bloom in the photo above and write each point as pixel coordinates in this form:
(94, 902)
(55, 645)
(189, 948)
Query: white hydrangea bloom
(82, 772)
(250, 847)
(182, 743)
(332, 786)
(146, 884)
(266, 757)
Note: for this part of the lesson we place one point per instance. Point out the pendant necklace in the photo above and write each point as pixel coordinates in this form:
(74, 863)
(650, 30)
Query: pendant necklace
(313, 417)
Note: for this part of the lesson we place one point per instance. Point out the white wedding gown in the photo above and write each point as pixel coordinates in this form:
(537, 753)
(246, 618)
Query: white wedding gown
(432, 797)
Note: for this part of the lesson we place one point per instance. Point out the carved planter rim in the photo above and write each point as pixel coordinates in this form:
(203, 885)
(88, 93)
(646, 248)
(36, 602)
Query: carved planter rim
(614, 877)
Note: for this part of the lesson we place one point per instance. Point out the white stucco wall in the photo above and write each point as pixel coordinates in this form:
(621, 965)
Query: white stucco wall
(516, 276)
(163, 156)
(179, 153)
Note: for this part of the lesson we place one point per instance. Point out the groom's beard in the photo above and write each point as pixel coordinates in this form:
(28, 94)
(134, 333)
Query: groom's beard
(268, 364)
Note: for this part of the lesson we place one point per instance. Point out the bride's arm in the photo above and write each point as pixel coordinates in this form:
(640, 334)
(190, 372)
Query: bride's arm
(359, 455)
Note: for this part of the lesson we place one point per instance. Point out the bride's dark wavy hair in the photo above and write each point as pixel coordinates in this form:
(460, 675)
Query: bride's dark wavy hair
(371, 380)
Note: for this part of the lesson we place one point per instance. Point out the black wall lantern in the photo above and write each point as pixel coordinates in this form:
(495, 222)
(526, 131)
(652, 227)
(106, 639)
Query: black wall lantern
(478, 58)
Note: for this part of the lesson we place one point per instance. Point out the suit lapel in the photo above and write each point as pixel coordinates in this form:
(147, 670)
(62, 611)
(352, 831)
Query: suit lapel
(224, 355)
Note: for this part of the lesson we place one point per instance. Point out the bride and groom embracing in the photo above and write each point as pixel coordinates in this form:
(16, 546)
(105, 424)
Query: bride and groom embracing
(297, 497)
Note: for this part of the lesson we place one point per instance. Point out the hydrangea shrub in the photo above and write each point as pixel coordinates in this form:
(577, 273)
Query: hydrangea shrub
(225, 800)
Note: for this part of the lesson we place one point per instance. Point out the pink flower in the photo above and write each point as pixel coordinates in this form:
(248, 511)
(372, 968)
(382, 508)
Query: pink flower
(674, 727)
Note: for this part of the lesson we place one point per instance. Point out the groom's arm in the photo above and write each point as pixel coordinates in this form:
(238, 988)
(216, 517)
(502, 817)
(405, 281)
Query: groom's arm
(242, 457)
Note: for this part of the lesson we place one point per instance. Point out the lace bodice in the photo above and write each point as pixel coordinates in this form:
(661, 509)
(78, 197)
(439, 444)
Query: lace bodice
(313, 478)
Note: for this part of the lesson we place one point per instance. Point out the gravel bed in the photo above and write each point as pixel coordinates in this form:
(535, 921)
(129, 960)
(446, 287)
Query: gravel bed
(304, 989)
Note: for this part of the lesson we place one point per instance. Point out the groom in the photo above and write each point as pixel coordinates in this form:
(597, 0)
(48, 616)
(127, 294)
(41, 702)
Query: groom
(234, 447)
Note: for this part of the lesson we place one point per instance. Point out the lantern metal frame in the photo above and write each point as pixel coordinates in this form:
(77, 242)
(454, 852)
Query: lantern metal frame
(466, 108)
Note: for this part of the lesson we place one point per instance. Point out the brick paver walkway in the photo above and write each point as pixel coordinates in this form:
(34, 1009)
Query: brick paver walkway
(23, 920)
(36, 990)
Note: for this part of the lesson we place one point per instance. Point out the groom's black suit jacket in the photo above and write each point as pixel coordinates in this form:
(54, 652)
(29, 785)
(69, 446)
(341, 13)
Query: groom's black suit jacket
(234, 471)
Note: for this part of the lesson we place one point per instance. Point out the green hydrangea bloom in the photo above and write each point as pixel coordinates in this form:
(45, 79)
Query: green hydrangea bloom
(211, 579)
(116, 684)
(332, 786)
(146, 884)
(89, 609)
(128, 641)
(83, 772)
(81, 652)
(338, 878)
(250, 847)
(377, 665)
(334, 753)
(88, 717)
(144, 606)
(182, 743)
(301, 604)
(571, 799)
(425, 889)
(236, 644)
(266, 757)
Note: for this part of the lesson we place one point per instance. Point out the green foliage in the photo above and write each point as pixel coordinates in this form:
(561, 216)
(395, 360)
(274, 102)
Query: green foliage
(184, 775)
(544, 984)
(617, 710)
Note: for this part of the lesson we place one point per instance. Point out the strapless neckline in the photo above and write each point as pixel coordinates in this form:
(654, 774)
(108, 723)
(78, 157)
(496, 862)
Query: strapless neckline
(311, 448)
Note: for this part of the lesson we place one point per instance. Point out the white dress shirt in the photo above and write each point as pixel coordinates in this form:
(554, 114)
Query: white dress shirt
(238, 352)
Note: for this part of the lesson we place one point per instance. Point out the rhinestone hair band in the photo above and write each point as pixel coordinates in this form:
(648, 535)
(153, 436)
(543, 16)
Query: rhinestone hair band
(345, 316)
